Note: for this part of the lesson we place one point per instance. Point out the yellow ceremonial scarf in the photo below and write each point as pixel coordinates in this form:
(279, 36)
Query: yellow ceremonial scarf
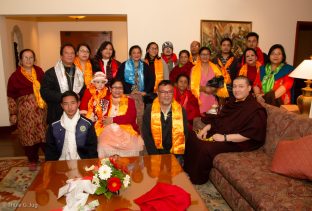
(196, 77)
(122, 109)
(159, 72)
(194, 62)
(225, 73)
(178, 138)
(87, 72)
(95, 107)
(243, 71)
(36, 86)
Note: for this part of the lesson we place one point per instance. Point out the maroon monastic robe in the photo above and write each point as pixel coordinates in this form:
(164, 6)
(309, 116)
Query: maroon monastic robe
(247, 118)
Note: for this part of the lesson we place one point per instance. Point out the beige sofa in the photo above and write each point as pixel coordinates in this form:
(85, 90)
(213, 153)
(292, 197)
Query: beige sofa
(245, 180)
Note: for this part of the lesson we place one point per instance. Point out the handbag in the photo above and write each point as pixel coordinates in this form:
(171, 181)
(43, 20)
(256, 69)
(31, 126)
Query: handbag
(216, 82)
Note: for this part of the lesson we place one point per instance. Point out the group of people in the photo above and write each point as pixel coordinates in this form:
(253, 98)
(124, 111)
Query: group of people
(87, 107)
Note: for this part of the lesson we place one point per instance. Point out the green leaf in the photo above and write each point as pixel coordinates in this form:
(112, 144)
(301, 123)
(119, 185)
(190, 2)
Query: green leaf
(108, 194)
(100, 190)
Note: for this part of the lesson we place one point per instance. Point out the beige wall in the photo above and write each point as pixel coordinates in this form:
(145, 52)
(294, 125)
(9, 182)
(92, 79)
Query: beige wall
(4, 120)
(179, 20)
(29, 32)
(49, 38)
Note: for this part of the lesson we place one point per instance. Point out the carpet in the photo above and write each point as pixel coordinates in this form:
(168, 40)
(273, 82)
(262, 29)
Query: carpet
(212, 198)
(15, 179)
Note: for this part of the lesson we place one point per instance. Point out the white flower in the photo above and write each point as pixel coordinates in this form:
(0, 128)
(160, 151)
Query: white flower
(105, 172)
(126, 181)
(96, 181)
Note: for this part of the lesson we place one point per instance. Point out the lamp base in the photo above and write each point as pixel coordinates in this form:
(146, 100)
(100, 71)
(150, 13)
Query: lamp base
(304, 100)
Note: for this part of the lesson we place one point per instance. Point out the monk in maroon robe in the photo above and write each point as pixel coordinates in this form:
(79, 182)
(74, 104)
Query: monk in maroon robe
(240, 126)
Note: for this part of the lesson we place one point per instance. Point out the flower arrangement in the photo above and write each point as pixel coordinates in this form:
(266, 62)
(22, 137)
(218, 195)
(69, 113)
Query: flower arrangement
(109, 177)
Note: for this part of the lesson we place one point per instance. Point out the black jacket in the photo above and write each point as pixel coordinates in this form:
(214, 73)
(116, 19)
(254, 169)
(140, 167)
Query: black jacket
(149, 79)
(51, 93)
(86, 140)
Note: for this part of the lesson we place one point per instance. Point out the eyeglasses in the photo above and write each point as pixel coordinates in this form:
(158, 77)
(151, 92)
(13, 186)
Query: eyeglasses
(204, 55)
(84, 51)
(28, 58)
(117, 87)
(165, 92)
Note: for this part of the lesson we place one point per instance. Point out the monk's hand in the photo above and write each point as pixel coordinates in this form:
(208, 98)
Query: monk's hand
(218, 137)
(202, 134)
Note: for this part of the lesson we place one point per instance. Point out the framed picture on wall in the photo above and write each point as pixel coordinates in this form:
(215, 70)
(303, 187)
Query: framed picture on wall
(93, 38)
(213, 31)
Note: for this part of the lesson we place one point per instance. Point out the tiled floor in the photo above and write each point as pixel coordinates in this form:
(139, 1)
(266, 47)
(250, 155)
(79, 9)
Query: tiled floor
(9, 144)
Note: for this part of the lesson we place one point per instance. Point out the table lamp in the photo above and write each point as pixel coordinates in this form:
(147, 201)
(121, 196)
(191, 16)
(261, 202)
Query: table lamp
(304, 71)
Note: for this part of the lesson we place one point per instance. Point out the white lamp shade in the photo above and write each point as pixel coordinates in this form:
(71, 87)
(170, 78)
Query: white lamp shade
(303, 71)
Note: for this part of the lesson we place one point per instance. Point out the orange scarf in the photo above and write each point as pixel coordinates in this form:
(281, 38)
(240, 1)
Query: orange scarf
(94, 107)
(243, 71)
(122, 110)
(194, 62)
(196, 77)
(87, 72)
(36, 86)
(159, 72)
(178, 138)
(225, 73)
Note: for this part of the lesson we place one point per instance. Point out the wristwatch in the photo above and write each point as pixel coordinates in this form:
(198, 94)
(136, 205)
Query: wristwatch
(225, 140)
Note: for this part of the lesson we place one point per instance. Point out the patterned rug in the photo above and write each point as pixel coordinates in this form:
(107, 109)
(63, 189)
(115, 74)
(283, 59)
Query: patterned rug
(15, 179)
(212, 198)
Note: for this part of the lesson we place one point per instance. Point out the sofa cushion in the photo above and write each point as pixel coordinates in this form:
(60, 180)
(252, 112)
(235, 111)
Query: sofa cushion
(284, 125)
(249, 173)
(294, 158)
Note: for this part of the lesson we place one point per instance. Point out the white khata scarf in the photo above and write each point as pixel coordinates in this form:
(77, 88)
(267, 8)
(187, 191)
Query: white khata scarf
(69, 151)
(62, 80)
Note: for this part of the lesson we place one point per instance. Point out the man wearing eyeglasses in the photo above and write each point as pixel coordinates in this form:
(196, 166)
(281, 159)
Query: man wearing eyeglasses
(164, 127)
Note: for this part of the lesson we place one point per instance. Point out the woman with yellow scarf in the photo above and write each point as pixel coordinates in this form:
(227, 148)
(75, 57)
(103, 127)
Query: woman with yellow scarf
(120, 134)
(251, 67)
(201, 73)
(82, 61)
(27, 108)
(156, 64)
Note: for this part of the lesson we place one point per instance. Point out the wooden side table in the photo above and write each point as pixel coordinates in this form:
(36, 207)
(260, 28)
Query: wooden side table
(292, 108)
